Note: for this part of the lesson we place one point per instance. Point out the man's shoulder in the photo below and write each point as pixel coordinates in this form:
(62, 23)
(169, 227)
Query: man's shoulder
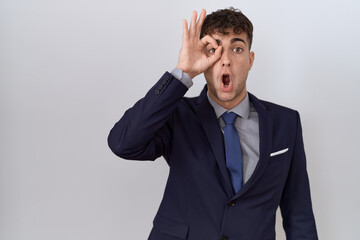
(275, 108)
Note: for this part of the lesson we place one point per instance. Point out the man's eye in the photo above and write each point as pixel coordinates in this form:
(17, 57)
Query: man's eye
(238, 50)
(212, 50)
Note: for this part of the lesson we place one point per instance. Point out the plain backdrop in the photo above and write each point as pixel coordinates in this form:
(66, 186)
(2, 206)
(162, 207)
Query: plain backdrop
(69, 69)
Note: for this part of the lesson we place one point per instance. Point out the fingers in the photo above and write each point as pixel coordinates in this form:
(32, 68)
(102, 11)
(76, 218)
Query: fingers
(195, 26)
(185, 30)
(207, 39)
(216, 56)
(192, 29)
(201, 19)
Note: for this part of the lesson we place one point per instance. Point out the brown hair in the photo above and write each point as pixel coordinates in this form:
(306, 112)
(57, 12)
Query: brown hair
(224, 20)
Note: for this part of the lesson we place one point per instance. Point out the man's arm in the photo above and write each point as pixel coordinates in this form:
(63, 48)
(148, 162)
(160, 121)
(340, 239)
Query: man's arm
(144, 132)
(295, 205)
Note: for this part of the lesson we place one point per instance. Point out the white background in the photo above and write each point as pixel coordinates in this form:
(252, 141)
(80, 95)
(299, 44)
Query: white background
(70, 68)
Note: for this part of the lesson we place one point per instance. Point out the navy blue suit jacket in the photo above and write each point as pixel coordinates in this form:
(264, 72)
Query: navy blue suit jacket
(199, 203)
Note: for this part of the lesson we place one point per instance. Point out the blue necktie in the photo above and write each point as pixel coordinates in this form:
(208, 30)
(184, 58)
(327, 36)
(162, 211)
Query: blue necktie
(233, 151)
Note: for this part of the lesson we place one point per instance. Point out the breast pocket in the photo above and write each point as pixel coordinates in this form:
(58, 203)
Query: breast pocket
(279, 155)
(166, 229)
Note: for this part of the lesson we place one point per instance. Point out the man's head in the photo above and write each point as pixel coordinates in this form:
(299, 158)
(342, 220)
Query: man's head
(226, 78)
(224, 21)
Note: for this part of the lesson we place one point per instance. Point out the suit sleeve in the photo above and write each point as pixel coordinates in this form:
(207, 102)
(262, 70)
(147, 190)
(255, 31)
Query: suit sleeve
(144, 131)
(295, 205)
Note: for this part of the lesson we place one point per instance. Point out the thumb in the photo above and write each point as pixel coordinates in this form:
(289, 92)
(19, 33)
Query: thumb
(216, 56)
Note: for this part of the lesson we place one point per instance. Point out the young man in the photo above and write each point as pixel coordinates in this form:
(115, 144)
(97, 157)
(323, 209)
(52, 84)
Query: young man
(233, 158)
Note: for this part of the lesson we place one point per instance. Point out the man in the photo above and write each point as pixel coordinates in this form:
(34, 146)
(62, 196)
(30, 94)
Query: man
(233, 158)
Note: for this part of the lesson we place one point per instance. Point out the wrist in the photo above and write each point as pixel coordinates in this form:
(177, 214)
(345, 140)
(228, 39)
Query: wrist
(182, 77)
(184, 70)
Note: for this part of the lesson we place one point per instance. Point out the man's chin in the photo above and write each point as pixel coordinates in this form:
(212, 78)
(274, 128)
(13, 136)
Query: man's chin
(221, 97)
(226, 101)
(226, 96)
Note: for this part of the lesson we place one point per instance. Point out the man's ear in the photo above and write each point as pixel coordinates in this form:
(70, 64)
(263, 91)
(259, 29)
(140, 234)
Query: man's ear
(251, 59)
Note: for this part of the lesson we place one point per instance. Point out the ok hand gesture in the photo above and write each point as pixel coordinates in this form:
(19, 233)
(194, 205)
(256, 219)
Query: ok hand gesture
(192, 58)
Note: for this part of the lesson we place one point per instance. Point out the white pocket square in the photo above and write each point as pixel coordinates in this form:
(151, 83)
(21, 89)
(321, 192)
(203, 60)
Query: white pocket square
(279, 152)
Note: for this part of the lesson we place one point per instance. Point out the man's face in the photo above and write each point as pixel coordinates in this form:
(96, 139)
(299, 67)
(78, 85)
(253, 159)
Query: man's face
(226, 79)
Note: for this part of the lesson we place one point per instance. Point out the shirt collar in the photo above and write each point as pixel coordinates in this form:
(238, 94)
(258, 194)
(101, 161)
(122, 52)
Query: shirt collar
(242, 109)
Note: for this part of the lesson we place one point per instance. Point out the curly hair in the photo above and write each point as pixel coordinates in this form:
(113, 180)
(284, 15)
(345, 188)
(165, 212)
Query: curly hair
(224, 20)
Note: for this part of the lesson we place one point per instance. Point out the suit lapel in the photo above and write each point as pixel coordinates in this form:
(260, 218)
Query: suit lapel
(210, 124)
(265, 134)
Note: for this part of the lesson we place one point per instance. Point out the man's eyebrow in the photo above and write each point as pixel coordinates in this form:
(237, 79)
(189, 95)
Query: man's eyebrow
(232, 40)
(237, 40)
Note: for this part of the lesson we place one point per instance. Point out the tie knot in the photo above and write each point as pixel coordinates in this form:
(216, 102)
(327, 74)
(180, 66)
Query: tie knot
(229, 118)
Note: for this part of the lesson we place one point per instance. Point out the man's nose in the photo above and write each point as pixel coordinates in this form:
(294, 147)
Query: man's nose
(225, 59)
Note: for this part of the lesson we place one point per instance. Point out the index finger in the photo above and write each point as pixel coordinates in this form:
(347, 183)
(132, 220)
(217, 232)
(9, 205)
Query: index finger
(208, 39)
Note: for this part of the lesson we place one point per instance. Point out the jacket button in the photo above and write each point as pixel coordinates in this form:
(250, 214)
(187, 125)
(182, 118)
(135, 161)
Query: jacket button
(165, 80)
(231, 203)
(224, 238)
(160, 86)
(157, 91)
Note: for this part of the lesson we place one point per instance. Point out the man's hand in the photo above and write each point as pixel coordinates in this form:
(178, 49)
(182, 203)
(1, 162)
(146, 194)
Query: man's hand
(192, 58)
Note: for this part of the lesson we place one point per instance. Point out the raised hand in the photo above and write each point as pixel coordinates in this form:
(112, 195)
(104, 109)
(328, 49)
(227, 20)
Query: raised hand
(192, 58)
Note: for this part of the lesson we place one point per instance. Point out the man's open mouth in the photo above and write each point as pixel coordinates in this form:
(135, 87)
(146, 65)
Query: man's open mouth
(226, 80)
